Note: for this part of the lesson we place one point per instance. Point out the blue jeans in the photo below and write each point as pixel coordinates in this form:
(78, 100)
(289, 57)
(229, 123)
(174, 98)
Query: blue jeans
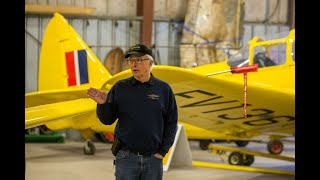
(131, 166)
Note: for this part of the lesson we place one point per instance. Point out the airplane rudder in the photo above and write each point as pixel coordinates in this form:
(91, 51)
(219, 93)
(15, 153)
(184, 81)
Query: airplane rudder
(66, 60)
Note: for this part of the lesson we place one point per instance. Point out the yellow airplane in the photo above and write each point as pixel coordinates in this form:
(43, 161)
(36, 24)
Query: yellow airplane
(223, 100)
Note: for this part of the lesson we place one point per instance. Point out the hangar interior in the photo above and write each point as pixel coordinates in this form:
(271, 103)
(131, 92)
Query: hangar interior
(182, 33)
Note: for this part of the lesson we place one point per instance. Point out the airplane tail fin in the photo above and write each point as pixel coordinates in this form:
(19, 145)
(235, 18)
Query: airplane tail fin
(66, 61)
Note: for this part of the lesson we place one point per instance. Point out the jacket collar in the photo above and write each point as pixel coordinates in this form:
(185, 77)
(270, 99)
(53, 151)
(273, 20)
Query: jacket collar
(133, 80)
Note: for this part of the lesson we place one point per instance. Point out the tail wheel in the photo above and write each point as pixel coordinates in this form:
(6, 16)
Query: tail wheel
(242, 143)
(235, 158)
(248, 160)
(275, 147)
(204, 144)
(89, 148)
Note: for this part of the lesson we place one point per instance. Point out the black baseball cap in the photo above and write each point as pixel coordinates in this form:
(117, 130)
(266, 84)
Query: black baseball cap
(138, 50)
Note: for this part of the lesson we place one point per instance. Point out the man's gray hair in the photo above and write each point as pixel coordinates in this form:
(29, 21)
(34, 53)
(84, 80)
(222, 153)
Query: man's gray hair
(151, 58)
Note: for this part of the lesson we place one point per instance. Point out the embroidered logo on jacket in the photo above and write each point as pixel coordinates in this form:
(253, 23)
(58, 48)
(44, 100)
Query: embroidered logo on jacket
(153, 96)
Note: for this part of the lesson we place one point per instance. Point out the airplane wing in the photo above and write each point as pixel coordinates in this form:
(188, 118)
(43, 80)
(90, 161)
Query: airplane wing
(44, 114)
(215, 103)
(53, 96)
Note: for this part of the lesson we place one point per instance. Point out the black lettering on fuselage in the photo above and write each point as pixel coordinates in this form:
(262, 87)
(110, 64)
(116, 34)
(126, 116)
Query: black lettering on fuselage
(266, 115)
(200, 103)
(267, 112)
(184, 94)
(224, 109)
(268, 121)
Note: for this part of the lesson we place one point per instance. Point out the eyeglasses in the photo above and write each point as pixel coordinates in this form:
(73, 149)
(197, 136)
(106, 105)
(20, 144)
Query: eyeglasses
(136, 60)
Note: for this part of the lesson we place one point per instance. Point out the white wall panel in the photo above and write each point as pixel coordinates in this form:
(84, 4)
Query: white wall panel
(42, 2)
(78, 26)
(134, 30)
(79, 3)
(259, 29)
(106, 39)
(53, 2)
(176, 9)
(255, 11)
(122, 8)
(159, 7)
(43, 23)
(31, 1)
(121, 32)
(65, 3)
(161, 41)
(284, 28)
(278, 11)
(100, 5)
(247, 35)
(91, 34)
(32, 54)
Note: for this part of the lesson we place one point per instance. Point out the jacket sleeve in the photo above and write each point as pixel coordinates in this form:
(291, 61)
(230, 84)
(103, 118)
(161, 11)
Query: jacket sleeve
(108, 112)
(170, 124)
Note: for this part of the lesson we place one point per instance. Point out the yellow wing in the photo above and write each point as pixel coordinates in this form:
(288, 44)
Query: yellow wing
(216, 103)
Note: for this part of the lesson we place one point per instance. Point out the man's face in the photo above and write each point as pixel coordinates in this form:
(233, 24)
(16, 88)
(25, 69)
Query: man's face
(140, 66)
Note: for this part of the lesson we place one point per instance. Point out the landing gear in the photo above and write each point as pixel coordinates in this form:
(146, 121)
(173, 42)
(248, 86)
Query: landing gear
(204, 144)
(248, 160)
(275, 147)
(236, 158)
(241, 143)
(89, 148)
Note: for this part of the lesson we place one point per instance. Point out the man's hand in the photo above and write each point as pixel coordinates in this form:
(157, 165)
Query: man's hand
(98, 96)
(159, 156)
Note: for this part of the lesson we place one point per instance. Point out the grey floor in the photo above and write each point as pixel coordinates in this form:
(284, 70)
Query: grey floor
(66, 161)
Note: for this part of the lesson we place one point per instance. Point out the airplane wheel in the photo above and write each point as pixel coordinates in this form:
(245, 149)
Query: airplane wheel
(89, 148)
(45, 130)
(242, 143)
(235, 158)
(219, 141)
(204, 144)
(248, 160)
(275, 146)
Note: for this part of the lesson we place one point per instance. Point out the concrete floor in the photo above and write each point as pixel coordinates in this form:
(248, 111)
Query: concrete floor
(66, 161)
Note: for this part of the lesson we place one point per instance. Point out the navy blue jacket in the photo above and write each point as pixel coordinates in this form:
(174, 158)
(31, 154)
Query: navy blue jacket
(147, 114)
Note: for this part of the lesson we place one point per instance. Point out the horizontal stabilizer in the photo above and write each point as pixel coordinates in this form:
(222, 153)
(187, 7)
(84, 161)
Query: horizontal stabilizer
(39, 115)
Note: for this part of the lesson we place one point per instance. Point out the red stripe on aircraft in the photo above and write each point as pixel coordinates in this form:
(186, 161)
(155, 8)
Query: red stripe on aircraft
(70, 68)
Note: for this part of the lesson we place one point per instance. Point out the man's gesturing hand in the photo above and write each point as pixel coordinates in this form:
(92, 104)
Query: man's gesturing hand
(98, 96)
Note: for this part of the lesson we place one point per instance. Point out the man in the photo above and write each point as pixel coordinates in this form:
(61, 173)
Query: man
(147, 117)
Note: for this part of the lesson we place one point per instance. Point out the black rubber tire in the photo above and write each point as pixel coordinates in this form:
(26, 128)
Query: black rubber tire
(241, 143)
(91, 150)
(235, 158)
(275, 147)
(248, 160)
(204, 144)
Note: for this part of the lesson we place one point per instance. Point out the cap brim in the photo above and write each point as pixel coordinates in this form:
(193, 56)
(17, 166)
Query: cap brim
(133, 53)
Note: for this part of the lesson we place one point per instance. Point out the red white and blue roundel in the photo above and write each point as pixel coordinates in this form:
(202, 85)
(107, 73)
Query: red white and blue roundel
(77, 67)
